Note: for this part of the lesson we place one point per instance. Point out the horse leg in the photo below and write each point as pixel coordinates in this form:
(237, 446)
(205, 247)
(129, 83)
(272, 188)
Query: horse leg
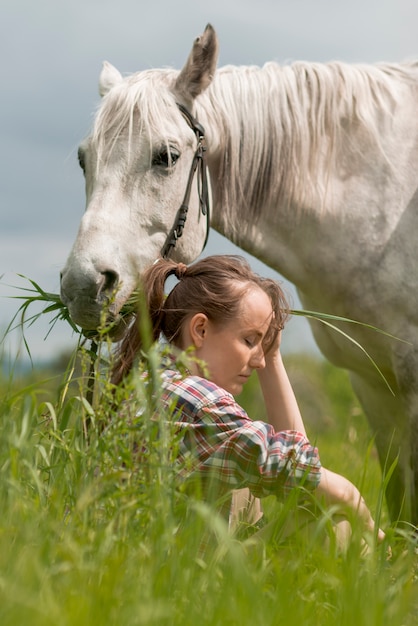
(405, 358)
(390, 426)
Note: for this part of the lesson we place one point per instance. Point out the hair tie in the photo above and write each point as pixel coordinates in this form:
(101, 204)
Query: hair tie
(180, 270)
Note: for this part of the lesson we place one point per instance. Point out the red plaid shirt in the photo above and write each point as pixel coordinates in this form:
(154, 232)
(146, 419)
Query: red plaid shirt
(220, 441)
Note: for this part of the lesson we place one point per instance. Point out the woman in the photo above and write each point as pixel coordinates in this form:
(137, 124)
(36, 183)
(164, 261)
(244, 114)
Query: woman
(230, 320)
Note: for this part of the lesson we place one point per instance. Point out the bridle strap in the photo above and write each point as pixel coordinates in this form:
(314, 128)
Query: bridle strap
(199, 165)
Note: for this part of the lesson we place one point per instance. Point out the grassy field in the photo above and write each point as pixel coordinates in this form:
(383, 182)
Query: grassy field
(92, 534)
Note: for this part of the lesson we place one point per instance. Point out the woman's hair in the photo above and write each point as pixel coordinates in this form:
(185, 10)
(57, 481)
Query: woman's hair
(213, 285)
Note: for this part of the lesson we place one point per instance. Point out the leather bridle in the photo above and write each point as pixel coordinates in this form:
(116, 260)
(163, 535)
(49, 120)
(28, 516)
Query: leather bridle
(199, 165)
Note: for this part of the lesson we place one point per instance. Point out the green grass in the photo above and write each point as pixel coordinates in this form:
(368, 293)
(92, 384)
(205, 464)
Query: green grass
(91, 533)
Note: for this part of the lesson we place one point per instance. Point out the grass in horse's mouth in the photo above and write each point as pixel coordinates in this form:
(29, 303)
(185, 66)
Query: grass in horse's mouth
(52, 305)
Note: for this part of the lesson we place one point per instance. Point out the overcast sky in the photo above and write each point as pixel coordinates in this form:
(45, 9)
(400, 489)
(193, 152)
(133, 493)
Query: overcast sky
(51, 54)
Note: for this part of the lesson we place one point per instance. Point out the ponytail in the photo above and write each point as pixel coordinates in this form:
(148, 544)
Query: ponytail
(152, 293)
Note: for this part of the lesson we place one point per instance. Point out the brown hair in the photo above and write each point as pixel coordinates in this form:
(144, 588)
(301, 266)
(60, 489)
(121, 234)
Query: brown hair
(213, 285)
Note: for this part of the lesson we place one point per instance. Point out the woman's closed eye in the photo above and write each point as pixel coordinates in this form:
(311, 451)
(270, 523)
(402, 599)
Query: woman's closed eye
(251, 342)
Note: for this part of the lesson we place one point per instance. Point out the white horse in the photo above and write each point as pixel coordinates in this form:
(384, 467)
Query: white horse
(314, 170)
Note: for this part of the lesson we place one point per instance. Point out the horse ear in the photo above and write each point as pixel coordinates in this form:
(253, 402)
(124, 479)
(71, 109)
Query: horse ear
(109, 77)
(198, 72)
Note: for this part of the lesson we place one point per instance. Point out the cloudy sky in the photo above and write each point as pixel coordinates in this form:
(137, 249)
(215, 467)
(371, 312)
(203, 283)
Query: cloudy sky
(51, 54)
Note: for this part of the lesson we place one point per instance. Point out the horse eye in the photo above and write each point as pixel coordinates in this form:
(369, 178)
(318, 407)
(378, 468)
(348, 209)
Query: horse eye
(81, 159)
(166, 158)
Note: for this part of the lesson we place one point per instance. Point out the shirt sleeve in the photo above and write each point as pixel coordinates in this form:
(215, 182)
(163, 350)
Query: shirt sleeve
(236, 451)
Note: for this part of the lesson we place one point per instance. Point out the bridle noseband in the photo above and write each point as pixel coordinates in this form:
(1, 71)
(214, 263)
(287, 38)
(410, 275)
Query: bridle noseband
(199, 164)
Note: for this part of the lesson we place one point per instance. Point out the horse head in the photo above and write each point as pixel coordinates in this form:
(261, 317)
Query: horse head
(138, 164)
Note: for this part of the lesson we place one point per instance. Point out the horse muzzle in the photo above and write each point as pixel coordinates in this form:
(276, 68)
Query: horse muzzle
(92, 301)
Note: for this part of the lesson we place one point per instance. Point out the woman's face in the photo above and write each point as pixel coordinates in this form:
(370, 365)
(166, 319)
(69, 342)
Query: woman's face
(231, 351)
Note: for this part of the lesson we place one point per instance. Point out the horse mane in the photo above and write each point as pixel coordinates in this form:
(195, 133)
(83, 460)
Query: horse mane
(282, 128)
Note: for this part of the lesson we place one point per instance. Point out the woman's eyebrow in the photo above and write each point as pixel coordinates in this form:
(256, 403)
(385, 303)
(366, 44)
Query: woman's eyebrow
(254, 331)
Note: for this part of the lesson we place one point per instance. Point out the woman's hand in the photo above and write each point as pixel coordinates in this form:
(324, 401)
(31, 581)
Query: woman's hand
(337, 490)
(272, 353)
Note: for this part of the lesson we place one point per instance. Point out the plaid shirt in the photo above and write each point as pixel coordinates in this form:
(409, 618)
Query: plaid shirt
(220, 441)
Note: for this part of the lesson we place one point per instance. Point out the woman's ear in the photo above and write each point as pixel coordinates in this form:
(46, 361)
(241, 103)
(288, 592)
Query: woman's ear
(197, 328)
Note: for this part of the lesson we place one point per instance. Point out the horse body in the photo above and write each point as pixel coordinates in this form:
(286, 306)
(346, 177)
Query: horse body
(313, 170)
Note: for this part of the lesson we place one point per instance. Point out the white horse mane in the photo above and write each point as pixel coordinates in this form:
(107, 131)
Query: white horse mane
(282, 127)
(293, 110)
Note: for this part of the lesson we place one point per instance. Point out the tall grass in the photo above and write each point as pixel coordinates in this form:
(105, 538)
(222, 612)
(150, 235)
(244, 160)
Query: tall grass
(96, 529)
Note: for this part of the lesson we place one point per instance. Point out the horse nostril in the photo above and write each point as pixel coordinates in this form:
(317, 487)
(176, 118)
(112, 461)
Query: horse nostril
(109, 282)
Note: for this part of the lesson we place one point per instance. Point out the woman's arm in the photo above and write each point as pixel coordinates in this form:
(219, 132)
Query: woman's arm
(283, 414)
(281, 406)
(337, 490)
